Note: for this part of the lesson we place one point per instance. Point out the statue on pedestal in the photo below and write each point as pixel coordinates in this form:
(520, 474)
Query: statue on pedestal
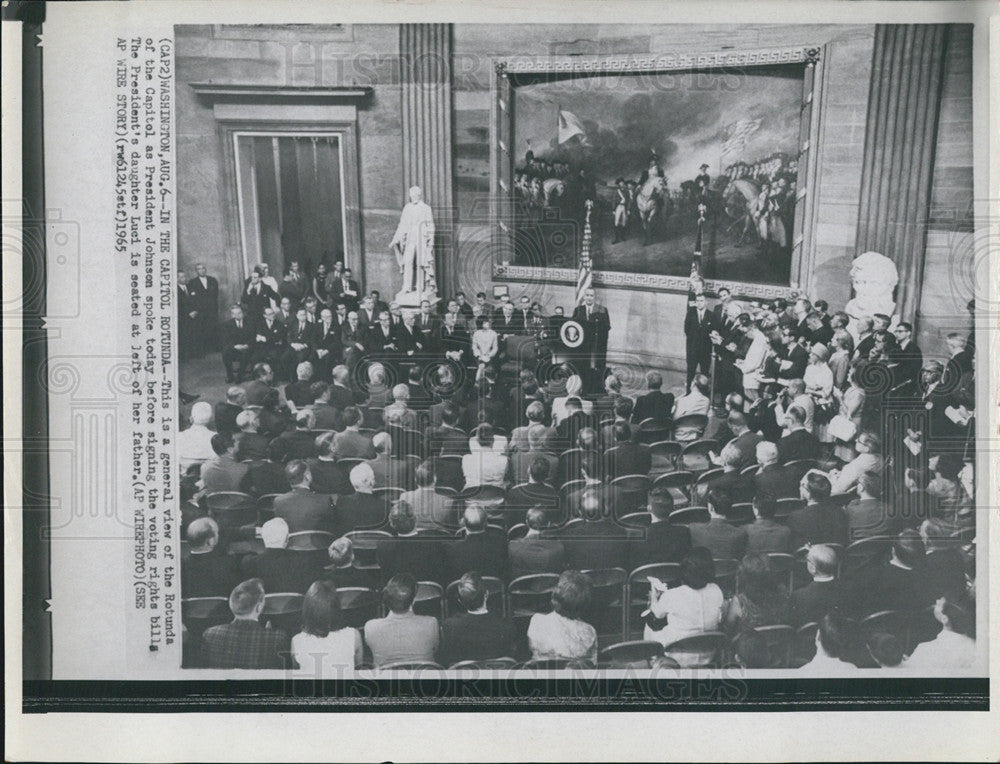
(413, 246)
(873, 277)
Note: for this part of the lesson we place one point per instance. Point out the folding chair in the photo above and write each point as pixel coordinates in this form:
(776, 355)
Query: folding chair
(388, 493)
(779, 639)
(231, 509)
(694, 456)
(787, 506)
(607, 609)
(651, 432)
(783, 566)
(708, 648)
(265, 507)
(200, 613)
(867, 552)
(725, 575)
(358, 605)
(490, 664)
(664, 455)
(635, 654)
(637, 590)
(283, 610)
(556, 664)
(518, 531)
(429, 599)
(688, 515)
(690, 427)
(804, 644)
(679, 485)
(365, 544)
(636, 520)
(740, 514)
(309, 541)
(410, 666)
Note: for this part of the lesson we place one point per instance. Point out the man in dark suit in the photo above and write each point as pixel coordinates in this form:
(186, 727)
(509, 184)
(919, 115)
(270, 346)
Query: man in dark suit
(523, 317)
(655, 404)
(772, 477)
(327, 476)
(810, 603)
(452, 340)
(226, 411)
(821, 521)
(483, 549)
(745, 439)
(237, 339)
(389, 471)
(343, 570)
(351, 443)
(299, 340)
(446, 439)
(477, 634)
(207, 571)
(427, 323)
(739, 487)
(250, 444)
(267, 476)
(720, 313)
(724, 541)
(421, 557)
(868, 515)
(765, 534)
(346, 290)
(596, 324)
(302, 508)
(899, 584)
(341, 395)
(244, 643)
(328, 349)
(799, 443)
(795, 358)
(382, 341)
(431, 509)
(905, 360)
(522, 461)
(597, 542)
(662, 542)
(223, 472)
(536, 552)
(325, 416)
(298, 393)
(698, 326)
(256, 297)
(569, 428)
(534, 492)
(204, 303)
(269, 339)
(353, 339)
(300, 443)
(281, 569)
(360, 508)
(627, 457)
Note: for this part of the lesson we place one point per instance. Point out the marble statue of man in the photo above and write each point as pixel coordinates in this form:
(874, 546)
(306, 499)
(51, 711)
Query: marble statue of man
(413, 246)
(873, 277)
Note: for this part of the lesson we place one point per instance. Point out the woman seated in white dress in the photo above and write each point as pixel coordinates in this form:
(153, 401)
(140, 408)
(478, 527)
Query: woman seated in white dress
(563, 634)
(690, 609)
(324, 641)
(485, 344)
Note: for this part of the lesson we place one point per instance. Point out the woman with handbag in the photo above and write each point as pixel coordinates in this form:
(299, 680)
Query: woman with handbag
(845, 425)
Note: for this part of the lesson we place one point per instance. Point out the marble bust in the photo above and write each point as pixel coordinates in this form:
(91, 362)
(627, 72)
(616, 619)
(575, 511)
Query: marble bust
(873, 278)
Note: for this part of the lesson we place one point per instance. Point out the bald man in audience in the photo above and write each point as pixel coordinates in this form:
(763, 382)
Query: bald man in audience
(737, 485)
(207, 571)
(298, 393)
(362, 508)
(303, 508)
(244, 643)
(597, 542)
(825, 593)
(281, 569)
(341, 395)
(483, 548)
(390, 471)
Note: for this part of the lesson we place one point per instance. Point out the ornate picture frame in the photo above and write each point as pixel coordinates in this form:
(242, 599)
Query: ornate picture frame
(502, 161)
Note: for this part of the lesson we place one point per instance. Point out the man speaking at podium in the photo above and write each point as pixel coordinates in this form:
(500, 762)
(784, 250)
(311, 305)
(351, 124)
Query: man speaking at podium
(596, 325)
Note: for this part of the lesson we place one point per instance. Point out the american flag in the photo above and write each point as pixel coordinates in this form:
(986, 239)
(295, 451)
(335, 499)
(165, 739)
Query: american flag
(738, 133)
(583, 281)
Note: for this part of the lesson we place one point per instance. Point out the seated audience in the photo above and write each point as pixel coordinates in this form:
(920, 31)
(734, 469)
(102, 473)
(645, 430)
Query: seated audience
(662, 541)
(328, 476)
(944, 564)
(835, 640)
(724, 540)
(281, 569)
(222, 472)
(303, 508)
(477, 634)
(655, 404)
(574, 389)
(868, 515)
(765, 534)
(194, 445)
(823, 594)
(773, 478)
(886, 650)
(409, 553)
(486, 464)
(597, 542)
(251, 446)
(899, 584)
(798, 442)
(432, 509)
(535, 552)
(267, 476)
(342, 571)
(298, 393)
(325, 416)
(351, 443)
(536, 492)
(226, 411)
(483, 548)
(521, 460)
(760, 600)
(400, 408)
(690, 609)
(325, 641)
(869, 459)
(206, 571)
(954, 647)
(822, 520)
(361, 508)
(563, 634)
(402, 636)
(244, 643)
(389, 471)
(301, 441)
(520, 436)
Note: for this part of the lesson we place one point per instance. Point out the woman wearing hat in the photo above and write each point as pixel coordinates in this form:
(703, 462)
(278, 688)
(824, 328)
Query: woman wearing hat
(818, 378)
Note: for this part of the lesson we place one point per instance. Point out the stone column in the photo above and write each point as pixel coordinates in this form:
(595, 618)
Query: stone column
(900, 135)
(425, 53)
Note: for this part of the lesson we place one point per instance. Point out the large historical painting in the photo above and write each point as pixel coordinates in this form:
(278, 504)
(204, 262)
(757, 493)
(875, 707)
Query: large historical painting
(659, 151)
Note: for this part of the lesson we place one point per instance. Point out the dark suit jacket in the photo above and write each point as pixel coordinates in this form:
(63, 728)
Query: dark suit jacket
(282, 570)
(483, 552)
(391, 472)
(264, 477)
(341, 397)
(445, 441)
(298, 393)
(765, 536)
(747, 444)
(301, 444)
(811, 602)
(301, 334)
(596, 330)
(724, 541)
(467, 637)
(338, 293)
(210, 574)
(329, 477)
(377, 341)
(887, 587)
(569, 428)
(250, 446)
(423, 558)
(351, 444)
(244, 644)
(821, 523)
(869, 517)
(359, 510)
(536, 554)
(655, 405)
(205, 299)
(237, 335)
(799, 357)
(225, 417)
(521, 461)
(662, 542)
(254, 303)
(627, 459)
(799, 444)
(598, 544)
(305, 510)
(444, 341)
(776, 479)
(739, 487)
(697, 332)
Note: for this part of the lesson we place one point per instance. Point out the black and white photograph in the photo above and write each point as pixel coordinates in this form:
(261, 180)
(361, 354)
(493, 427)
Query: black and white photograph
(427, 361)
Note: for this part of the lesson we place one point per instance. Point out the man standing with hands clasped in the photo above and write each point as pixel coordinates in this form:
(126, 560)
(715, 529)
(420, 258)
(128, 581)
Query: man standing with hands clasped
(596, 324)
